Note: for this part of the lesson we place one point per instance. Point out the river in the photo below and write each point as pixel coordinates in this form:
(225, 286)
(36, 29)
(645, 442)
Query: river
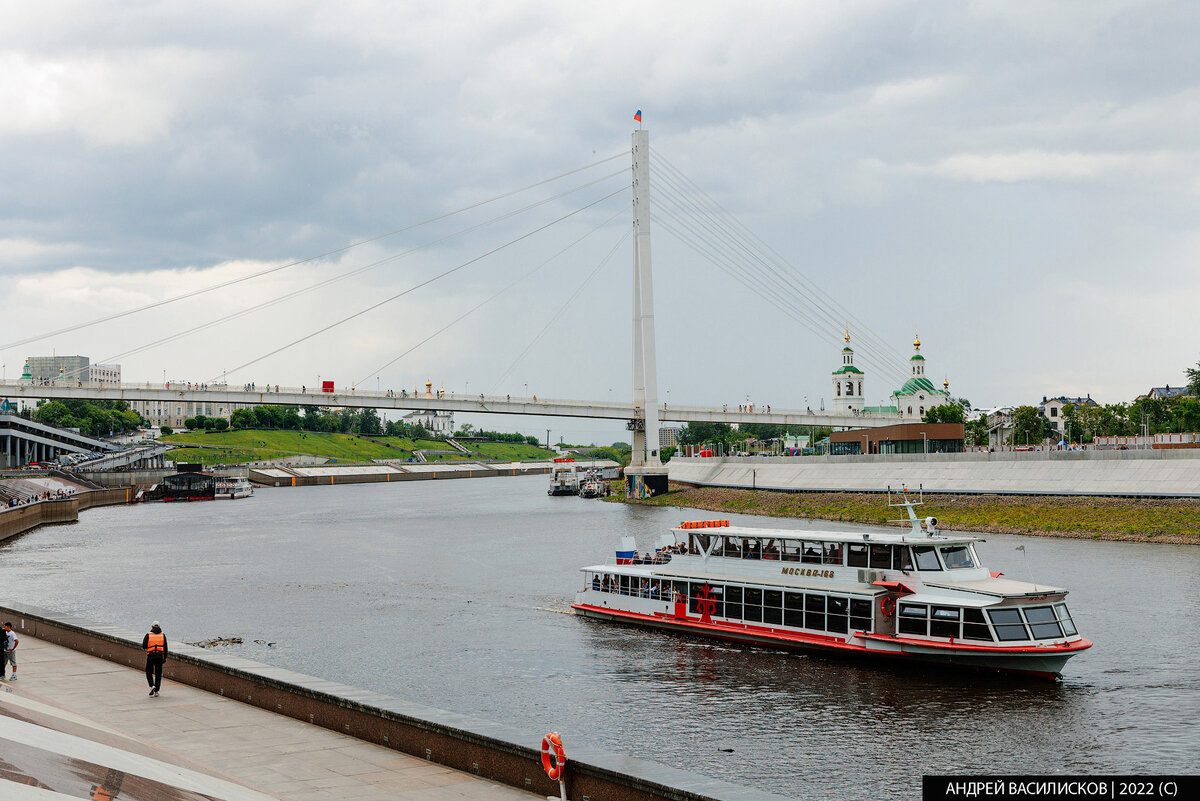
(456, 594)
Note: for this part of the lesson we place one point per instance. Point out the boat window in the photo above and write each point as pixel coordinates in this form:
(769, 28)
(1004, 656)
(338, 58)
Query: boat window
(702, 541)
(833, 553)
(1008, 624)
(914, 619)
(902, 558)
(770, 550)
(698, 591)
(944, 622)
(956, 556)
(837, 614)
(751, 549)
(1064, 618)
(772, 603)
(680, 589)
(733, 602)
(926, 557)
(1043, 623)
(596, 582)
(731, 548)
(812, 553)
(856, 556)
(814, 612)
(975, 626)
(860, 614)
(791, 554)
(623, 585)
(642, 588)
(752, 604)
(881, 557)
(793, 613)
(656, 589)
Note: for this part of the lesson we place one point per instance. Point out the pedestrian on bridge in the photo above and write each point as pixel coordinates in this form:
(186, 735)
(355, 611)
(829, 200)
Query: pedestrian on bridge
(155, 643)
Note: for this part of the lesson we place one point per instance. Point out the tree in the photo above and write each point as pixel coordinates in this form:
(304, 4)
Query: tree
(1029, 427)
(166, 431)
(219, 424)
(976, 431)
(1193, 379)
(700, 433)
(368, 423)
(945, 413)
(55, 413)
(243, 418)
(191, 424)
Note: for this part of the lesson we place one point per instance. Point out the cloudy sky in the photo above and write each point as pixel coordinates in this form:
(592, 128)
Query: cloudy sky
(1017, 179)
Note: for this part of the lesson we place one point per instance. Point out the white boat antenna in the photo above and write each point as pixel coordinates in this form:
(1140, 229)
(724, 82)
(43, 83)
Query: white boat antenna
(930, 522)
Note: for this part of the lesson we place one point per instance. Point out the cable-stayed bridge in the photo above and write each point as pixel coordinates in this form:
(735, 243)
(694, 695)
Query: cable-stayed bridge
(686, 212)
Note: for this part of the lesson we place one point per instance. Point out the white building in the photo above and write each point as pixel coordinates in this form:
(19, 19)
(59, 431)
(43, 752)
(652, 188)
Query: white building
(104, 373)
(435, 422)
(848, 383)
(1052, 409)
(919, 395)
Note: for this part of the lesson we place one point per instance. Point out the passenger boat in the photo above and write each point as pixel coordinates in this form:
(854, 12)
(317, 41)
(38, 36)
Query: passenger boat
(917, 596)
(233, 487)
(564, 479)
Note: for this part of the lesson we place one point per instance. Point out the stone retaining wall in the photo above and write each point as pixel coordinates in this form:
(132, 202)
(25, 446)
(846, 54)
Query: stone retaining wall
(1151, 473)
(19, 519)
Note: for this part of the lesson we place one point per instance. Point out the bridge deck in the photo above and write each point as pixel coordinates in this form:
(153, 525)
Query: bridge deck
(73, 721)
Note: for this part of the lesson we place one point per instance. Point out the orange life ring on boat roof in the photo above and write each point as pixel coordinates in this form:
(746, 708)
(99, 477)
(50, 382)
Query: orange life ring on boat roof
(553, 768)
(887, 606)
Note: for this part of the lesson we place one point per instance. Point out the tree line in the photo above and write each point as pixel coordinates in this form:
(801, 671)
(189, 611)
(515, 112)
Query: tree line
(92, 418)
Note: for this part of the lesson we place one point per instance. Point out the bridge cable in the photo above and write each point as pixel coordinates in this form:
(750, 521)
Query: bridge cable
(824, 298)
(478, 306)
(267, 271)
(771, 272)
(729, 260)
(562, 308)
(426, 282)
(876, 347)
(349, 274)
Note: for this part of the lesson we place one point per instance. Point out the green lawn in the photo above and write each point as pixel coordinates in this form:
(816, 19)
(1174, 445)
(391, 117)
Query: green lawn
(509, 451)
(275, 444)
(254, 445)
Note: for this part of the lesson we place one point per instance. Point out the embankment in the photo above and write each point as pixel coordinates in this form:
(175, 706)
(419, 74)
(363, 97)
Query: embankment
(19, 519)
(496, 751)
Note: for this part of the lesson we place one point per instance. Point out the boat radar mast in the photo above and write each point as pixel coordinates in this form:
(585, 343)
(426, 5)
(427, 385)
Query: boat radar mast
(926, 527)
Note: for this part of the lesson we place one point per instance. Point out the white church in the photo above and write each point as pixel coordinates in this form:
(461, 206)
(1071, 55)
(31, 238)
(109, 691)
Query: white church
(913, 400)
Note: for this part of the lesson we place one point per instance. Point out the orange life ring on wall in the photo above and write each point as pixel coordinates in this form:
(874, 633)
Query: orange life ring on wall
(553, 768)
(887, 606)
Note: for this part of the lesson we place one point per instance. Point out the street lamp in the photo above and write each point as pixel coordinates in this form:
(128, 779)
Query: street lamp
(924, 442)
(527, 389)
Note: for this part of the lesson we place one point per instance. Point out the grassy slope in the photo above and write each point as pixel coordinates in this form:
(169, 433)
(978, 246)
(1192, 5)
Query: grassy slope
(232, 447)
(275, 444)
(1149, 520)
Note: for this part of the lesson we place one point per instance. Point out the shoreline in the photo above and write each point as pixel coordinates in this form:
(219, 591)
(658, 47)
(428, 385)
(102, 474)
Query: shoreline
(1170, 521)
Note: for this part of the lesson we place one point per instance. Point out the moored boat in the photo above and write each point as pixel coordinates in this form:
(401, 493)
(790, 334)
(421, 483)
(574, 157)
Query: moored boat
(916, 596)
(233, 487)
(564, 479)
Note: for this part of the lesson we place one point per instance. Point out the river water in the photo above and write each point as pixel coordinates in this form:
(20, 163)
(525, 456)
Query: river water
(456, 594)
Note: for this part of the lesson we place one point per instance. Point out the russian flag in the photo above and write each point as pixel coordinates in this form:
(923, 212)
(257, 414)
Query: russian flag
(638, 116)
(626, 551)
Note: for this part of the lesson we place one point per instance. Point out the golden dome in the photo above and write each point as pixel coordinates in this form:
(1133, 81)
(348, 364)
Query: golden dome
(917, 340)
(946, 384)
(847, 333)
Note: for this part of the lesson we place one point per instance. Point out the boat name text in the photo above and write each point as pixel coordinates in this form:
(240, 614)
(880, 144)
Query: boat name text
(807, 571)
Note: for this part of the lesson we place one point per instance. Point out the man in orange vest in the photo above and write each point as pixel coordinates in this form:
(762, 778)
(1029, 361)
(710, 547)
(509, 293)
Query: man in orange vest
(155, 644)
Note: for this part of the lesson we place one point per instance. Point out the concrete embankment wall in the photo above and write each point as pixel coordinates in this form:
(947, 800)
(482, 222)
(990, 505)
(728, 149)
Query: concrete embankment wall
(357, 474)
(492, 750)
(19, 519)
(1151, 473)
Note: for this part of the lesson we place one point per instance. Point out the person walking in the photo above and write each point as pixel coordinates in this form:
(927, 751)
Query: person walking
(8, 642)
(155, 643)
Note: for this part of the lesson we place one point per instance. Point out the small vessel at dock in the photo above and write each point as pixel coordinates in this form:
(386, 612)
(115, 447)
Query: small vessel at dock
(233, 487)
(564, 478)
(592, 486)
(917, 596)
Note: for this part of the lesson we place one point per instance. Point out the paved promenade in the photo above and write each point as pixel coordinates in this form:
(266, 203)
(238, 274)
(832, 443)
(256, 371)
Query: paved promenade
(76, 726)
